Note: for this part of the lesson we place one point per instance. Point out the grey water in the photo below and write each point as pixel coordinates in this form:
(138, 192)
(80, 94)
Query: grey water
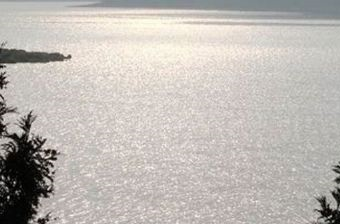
(180, 116)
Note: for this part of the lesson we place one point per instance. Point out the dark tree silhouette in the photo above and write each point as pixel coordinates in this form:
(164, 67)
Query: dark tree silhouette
(26, 168)
(330, 214)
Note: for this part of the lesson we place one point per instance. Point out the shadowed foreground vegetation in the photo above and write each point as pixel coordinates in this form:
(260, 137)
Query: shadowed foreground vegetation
(26, 168)
(330, 214)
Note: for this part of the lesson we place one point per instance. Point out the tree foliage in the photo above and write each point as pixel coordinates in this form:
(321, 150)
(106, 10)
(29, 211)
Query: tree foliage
(26, 168)
(330, 214)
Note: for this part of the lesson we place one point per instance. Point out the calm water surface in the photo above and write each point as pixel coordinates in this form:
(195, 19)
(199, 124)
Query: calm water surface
(181, 116)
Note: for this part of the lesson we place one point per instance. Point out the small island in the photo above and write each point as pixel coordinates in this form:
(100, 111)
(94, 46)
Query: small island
(11, 56)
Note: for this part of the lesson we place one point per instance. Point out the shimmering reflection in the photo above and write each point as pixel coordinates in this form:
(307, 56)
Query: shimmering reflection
(161, 120)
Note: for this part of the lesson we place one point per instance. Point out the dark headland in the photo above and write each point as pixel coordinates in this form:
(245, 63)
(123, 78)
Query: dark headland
(10, 56)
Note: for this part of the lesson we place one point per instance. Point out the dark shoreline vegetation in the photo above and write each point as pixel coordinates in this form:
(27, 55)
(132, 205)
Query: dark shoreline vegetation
(27, 167)
(330, 213)
(11, 56)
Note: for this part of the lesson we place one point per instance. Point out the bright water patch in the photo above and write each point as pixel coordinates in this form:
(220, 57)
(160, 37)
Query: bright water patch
(181, 116)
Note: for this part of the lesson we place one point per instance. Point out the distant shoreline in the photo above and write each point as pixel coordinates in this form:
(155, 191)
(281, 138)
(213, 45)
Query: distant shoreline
(310, 11)
(12, 56)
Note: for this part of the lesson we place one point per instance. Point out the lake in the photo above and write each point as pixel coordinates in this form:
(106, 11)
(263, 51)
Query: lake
(172, 116)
